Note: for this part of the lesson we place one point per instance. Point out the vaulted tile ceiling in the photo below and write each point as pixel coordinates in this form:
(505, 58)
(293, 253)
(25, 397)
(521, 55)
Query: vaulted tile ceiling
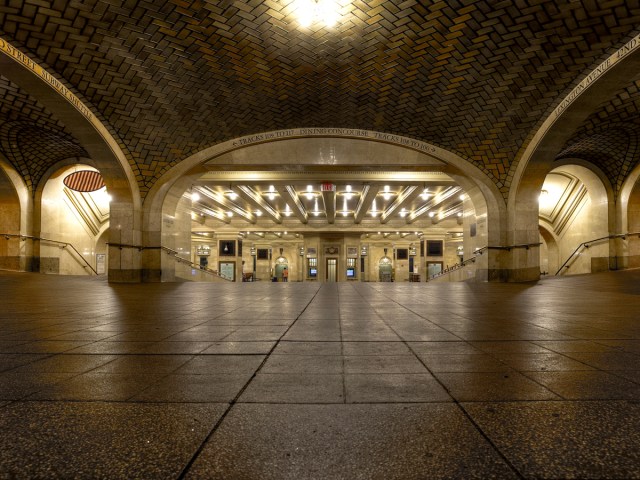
(172, 77)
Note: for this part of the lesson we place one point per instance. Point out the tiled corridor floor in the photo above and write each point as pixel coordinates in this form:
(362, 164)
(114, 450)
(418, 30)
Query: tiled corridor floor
(339, 381)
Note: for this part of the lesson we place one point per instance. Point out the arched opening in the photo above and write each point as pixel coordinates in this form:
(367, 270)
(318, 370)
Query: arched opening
(633, 219)
(574, 222)
(321, 198)
(549, 255)
(12, 255)
(74, 222)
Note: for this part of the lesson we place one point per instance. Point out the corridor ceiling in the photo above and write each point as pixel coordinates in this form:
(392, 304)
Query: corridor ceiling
(170, 78)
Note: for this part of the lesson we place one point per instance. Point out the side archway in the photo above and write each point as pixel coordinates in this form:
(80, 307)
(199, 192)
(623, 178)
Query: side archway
(599, 85)
(102, 148)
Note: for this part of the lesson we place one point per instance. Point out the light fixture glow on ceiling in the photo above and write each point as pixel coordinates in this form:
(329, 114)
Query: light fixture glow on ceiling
(387, 193)
(425, 194)
(310, 12)
(195, 196)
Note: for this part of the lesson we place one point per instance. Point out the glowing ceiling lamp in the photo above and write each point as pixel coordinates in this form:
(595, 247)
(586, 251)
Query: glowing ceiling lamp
(287, 210)
(195, 196)
(425, 194)
(272, 192)
(309, 193)
(387, 193)
(317, 11)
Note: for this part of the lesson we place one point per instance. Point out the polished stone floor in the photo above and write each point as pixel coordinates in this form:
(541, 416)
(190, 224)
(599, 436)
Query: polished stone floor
(303, 381)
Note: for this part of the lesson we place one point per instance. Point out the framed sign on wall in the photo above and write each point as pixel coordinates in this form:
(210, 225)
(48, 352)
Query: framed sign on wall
(227, 270)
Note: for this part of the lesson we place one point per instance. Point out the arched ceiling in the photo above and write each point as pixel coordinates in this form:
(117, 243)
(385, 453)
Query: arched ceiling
(609, 137)
(31, 138)
(170, 78)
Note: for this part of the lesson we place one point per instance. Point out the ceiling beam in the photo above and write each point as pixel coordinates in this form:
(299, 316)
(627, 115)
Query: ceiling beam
(432, 204)
(290, 197)
(222, 201)
(404, 198)
(254, 198)
(369, 193)
(329, 198)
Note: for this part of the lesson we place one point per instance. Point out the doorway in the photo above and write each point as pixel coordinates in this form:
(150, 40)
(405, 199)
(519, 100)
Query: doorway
(332, 269)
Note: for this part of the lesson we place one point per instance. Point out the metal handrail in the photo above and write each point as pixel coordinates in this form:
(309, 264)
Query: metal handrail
(179, 259)
(479, 251)
(453, 268)
(174, 254)
(506, 247)
(588, 243)
(42, 239)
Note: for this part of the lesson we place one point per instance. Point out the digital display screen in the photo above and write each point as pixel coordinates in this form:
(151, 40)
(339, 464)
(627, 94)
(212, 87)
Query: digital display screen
(351, 272)
(313, 272)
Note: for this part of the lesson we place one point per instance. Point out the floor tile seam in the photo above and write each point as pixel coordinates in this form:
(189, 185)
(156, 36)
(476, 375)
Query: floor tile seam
(460, 408)
(342, 361)
(439, 327)
(53, 385)
(495, 356)
(210, 319)
(234, 401)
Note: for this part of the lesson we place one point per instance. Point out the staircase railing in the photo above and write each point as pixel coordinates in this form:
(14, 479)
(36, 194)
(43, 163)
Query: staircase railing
(55, 242)
(453, 268)
(480, 251)
(175, 255)
(589, 243)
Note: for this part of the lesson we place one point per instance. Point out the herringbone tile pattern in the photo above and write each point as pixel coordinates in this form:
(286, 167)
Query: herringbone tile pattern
(173, 77)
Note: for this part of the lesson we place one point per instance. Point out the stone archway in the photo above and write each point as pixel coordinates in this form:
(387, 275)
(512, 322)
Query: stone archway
(530, 170)
(102, 148)
(325, 147)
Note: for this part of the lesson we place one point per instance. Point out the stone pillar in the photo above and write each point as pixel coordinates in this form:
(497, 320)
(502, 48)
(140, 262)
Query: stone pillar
(124, 236)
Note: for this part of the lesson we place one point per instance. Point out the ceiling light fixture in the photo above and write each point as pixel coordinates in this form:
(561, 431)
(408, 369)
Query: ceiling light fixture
(195, 196)
(387, 194)
(309, 193)
(317, 11)
(425, 194)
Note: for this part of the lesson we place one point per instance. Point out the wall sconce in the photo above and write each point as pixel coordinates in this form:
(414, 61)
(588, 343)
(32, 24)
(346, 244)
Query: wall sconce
(302, 251)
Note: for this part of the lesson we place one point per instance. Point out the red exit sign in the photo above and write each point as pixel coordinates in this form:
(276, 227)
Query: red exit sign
(328, 187)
